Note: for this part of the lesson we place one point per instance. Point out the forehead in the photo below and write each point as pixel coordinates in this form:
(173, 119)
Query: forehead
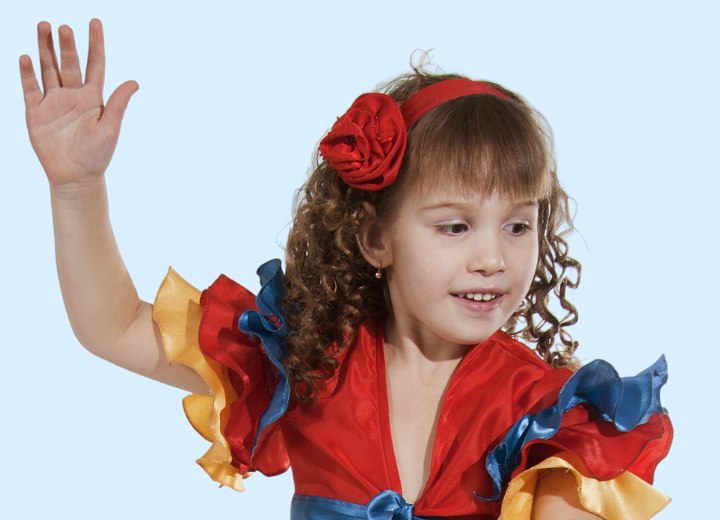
(467, 199)
(433, 178)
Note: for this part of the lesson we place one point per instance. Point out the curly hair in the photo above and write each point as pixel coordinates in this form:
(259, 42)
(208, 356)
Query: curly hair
(474, 142)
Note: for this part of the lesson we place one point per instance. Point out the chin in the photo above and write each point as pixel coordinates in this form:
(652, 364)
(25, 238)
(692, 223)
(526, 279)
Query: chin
(471, 340)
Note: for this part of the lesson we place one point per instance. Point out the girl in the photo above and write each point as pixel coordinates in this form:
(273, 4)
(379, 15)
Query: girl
(383, 366)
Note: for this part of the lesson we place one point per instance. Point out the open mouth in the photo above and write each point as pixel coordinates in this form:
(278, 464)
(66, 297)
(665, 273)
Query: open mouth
(478, 297)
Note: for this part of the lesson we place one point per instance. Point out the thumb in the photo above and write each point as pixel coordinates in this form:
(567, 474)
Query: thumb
(118, 102)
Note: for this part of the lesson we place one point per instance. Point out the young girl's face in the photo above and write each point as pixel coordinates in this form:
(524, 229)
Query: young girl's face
(461, 264)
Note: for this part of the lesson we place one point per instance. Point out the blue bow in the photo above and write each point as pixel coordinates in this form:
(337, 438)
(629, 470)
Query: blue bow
(389, 505)
(386, 505)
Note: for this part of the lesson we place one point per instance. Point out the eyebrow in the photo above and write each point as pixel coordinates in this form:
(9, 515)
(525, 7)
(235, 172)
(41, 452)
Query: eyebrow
(451, 204)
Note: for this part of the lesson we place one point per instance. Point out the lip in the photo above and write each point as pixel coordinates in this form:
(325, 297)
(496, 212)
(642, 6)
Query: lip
(480, 306)
(486, 290)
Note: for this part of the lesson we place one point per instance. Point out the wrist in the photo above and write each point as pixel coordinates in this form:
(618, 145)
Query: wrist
(80, 190)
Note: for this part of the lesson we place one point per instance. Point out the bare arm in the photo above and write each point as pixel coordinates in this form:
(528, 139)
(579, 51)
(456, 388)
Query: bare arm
(556, 498)
(74, 136)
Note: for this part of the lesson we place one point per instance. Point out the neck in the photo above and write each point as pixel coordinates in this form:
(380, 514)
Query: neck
(409, 344)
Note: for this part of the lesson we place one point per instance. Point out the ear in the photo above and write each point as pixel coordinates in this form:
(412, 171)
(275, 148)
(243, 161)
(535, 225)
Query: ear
(372, 239)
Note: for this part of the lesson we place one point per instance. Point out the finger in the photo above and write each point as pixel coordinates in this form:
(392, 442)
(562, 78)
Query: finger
(117, 103)
(48, 61)
(70, 71)
(31, 89)
(95, 71)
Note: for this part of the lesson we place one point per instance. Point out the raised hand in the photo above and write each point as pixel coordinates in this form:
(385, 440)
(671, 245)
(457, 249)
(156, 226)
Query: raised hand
(72, 132)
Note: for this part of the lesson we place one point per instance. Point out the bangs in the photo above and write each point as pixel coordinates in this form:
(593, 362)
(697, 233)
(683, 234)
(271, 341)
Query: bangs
(480, 143)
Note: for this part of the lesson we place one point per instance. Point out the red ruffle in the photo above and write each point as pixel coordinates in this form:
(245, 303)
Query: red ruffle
(605, 451)
(250, 373)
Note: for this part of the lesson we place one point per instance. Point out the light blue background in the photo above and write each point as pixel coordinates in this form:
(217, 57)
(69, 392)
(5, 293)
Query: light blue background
(233, 101)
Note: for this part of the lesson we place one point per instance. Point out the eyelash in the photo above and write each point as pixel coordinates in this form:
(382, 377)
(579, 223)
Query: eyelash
(525, 227)
(447, 229)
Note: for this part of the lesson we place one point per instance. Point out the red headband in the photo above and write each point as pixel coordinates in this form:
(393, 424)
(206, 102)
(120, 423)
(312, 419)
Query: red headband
(436, 94)
(366, 145)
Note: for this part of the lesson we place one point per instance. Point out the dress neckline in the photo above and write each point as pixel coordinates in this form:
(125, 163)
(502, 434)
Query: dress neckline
(393, 472)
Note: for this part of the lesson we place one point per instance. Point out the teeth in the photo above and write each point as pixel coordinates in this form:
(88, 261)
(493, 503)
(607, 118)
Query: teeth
(485, 297)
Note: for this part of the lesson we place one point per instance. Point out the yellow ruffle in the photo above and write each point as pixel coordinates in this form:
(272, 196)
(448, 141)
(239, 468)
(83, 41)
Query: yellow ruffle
(177, 312)
(625, 496)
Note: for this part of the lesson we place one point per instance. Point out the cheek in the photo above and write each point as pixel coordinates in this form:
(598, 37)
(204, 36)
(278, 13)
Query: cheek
(416, 264)
(411, 263)
(534, 256)
(529, 262)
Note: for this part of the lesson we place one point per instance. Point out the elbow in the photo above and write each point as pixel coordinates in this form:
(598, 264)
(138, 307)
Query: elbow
(103, 336)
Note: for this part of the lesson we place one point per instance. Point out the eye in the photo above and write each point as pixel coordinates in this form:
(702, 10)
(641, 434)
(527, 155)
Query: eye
(452, 228)
(517, 228)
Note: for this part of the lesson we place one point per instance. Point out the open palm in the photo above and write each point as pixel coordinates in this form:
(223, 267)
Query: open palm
(72, 132)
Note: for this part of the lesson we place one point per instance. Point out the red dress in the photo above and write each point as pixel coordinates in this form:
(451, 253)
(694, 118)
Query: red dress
(341, 449)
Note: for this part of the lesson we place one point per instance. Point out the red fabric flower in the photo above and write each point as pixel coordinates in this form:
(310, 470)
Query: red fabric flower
(366, 145)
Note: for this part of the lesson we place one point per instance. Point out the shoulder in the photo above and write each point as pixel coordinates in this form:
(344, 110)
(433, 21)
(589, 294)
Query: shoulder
(518, 371)
(517, 351)
(234, 341)
(612, 423)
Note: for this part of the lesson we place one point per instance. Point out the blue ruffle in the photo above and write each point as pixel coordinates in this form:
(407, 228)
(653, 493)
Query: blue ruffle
(270, 327)
(625, 401)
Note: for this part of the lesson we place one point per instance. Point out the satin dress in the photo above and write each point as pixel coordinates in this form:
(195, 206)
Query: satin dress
(506, 418)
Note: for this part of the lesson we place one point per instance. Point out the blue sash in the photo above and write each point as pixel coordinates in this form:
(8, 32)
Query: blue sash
(387, 505)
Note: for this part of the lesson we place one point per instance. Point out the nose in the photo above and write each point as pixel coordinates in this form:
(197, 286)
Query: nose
(487, 256)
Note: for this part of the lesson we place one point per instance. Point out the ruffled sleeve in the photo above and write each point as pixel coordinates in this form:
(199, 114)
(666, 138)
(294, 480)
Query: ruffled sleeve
(234, 341)
(625, 496)
(613, 430)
